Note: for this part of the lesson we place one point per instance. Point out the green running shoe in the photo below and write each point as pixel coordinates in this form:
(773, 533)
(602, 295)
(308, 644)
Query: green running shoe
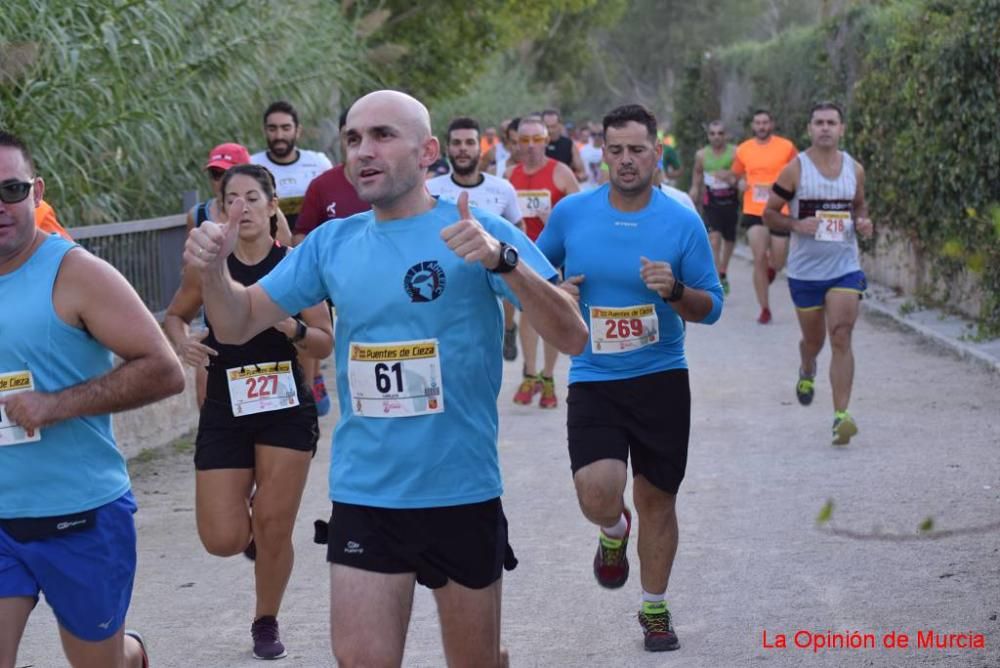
(805, 388)
(844, 428)
(657, 629)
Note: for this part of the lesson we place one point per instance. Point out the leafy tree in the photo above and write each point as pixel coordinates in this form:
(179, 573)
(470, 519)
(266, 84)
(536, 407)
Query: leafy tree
(121, 101)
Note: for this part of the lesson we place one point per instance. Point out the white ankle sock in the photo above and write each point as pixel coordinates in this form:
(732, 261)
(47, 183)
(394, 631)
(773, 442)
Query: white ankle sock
(653, 598)
(617, 530)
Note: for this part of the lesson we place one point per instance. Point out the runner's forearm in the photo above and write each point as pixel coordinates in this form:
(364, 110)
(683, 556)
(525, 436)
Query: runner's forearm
(694, 305)
(127, 386)
(551, 311)
(227, 306)
(779, 222)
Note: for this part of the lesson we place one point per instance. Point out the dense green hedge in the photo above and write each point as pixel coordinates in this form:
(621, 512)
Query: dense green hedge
(921, 85)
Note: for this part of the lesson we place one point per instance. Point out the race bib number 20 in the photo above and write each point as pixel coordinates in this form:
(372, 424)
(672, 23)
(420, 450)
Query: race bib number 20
(401, 379)
(618, 330)
(10, 384)
(534, 202)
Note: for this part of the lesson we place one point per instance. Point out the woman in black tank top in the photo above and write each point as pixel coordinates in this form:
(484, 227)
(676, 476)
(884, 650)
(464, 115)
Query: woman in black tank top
(258, 428)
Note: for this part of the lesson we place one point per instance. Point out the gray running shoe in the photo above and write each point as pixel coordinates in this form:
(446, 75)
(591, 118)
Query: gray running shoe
(510, 344)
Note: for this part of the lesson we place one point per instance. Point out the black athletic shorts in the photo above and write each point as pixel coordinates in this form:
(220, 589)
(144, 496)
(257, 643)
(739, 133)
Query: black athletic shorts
(722, 219)
(227, 442)
(647, 417)
(749, 221)
(467, 543)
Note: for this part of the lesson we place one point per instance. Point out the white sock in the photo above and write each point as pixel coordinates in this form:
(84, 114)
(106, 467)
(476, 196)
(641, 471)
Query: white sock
(616, 530)
(653, 598)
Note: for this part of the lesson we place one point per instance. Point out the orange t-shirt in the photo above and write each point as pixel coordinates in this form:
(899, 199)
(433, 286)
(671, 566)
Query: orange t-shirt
(45, 220)
(536, 192)
(761, 163)
(485, 144)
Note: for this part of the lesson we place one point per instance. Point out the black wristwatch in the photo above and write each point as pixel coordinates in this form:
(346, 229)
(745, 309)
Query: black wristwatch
(676, 292)
(300, 331)
(508, 259)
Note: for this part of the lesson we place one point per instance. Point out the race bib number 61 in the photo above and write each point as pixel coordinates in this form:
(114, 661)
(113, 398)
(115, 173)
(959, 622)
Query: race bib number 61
(12, 383)
(401, 379)
(618, 330)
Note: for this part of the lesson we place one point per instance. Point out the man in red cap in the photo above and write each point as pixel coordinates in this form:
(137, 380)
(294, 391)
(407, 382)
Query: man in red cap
(220, 158)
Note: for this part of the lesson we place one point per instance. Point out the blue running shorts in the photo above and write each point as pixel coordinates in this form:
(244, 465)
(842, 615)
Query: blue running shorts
(86, 575)
(811, 295)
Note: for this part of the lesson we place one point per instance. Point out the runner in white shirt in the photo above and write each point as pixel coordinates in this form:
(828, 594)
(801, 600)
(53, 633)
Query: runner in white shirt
(486, 192)
(293, 168)
(592, 154)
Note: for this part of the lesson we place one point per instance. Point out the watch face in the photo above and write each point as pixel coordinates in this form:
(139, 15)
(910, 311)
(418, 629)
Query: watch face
(510, 256)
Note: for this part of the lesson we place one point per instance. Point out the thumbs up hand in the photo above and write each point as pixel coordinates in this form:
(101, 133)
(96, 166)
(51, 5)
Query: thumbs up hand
(209, 244)
(469, 239)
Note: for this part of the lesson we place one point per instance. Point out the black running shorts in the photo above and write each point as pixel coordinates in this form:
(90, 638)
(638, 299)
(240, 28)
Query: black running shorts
(227, 442)
(647, 417)
(467, 543)
(749, 221)
(722, 219)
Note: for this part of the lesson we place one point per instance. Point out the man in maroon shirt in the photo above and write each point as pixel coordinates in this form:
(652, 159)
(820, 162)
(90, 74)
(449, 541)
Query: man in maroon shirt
(329, 195)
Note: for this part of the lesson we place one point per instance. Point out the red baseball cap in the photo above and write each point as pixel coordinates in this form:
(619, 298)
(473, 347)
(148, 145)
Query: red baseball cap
(225, 156)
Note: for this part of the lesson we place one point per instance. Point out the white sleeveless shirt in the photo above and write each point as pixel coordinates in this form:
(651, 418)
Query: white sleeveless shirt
(833, 251)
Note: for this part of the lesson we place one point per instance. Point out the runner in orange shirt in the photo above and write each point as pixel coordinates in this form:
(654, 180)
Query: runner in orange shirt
(45, 220)
(759, 161)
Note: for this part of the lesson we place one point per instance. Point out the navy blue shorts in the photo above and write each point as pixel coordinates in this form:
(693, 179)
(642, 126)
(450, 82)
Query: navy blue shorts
(811, 295)
(86, 575)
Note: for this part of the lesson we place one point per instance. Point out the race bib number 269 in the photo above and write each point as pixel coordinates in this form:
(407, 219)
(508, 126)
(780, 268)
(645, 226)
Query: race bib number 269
(619, 330)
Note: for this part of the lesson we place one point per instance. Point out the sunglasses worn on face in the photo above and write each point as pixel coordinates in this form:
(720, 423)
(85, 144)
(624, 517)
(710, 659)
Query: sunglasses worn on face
(537, 139)
(216, 174)
(12, 191)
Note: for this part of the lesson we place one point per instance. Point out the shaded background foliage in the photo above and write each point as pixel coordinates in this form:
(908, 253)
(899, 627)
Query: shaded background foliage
(121, 101)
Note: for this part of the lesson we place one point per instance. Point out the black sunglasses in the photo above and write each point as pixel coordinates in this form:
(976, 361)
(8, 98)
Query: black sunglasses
(12, 191)
(216, 174)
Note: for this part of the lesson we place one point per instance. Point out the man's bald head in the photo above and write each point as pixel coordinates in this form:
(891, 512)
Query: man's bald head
(391, 107)
(389, 147)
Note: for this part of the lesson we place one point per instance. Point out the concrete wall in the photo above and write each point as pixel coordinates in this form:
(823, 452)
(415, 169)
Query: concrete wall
(899, 263)
(157, 424)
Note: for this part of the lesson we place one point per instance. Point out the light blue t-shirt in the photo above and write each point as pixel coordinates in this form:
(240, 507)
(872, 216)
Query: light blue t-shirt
(590, 237)
(397, 281)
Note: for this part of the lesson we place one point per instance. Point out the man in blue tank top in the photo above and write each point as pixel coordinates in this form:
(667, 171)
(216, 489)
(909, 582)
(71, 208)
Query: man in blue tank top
(66, 527)
(640, 265)
(825, 190)
(414, 473)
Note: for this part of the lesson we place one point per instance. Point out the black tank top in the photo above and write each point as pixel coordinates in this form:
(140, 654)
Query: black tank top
(268, 346)
(562, 150)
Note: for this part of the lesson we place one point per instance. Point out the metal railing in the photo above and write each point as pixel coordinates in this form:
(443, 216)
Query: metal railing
(147, 252)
